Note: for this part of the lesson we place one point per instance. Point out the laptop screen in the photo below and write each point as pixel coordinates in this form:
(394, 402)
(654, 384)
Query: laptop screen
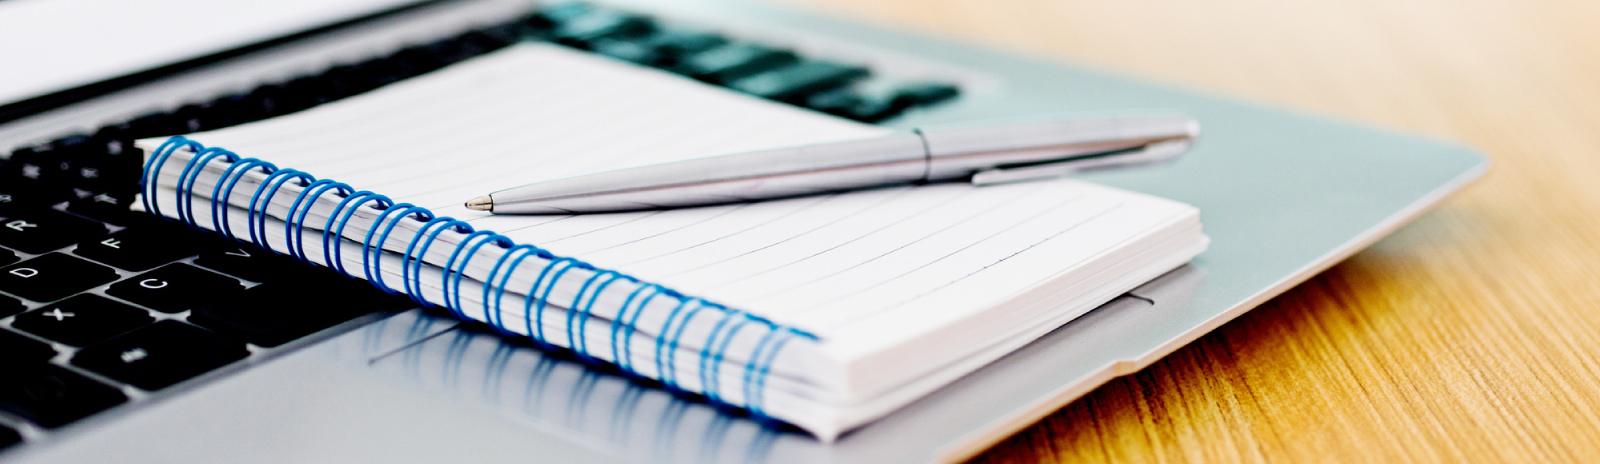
(47, 46)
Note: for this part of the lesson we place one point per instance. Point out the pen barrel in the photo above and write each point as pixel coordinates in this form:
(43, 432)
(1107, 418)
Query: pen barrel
(757, 175)
(958, 152)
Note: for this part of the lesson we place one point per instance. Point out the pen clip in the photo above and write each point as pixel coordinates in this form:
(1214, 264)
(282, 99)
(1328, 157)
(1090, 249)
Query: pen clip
(1154, 152)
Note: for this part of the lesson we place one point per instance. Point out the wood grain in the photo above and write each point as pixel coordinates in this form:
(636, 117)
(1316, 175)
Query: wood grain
(1470, 335)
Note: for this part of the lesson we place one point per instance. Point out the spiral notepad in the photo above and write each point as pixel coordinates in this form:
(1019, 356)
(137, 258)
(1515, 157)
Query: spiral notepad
(824, 312)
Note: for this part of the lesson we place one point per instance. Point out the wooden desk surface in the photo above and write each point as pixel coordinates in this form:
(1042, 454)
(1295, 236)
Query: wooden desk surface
(1471, 334)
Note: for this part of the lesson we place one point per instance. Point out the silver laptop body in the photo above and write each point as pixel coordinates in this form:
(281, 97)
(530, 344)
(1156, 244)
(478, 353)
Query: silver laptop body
(1283, 196)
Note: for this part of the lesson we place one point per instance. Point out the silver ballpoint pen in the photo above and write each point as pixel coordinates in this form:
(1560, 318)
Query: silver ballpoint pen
(980, 154)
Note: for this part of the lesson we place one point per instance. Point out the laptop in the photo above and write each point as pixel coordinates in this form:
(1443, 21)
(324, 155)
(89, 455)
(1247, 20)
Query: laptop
(354, 375)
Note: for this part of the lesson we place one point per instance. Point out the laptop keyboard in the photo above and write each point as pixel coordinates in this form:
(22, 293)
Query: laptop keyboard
(100, 306)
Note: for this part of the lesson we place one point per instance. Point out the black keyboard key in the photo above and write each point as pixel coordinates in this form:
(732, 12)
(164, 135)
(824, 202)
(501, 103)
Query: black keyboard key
(378, 73)
(342, 81)
(735, 61)
(42, 162)
(626, 51)
(19, 194)
(794, 83)
(142, 248)
(107, 207)
(121, 132)
(10, 306)
(222, 112)
(876, 109)
(415, 57)
(308, 91)
(479, 42)
(838, 102)
(547, 19)
(175, 287)
(249, 263)
(74, 144)
(854, 105)
(275, 313)
(191, 117)
(263, 102)
(156, 124)
(505, 34)
(579, 31)
(234, 108)
(8, 437)
(114, 140)
(925, 93)
(52, 396)
(40, 231)
(19, 349)
(82, 320)
(7, 257)
(675, 44)
(53, 276)
(160, 355)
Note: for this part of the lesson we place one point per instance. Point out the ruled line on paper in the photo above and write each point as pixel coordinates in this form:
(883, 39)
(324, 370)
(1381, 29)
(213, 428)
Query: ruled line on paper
(821, 199)
(982, 241)
(901, 246)
(937, 288)
(830, 248)
(801, 234)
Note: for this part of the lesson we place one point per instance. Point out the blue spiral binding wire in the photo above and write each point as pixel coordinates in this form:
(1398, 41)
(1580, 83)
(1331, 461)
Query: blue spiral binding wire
(495, 316)
(622, 350)
(333, 231)
(223, 191)
(294, 224)
(372, 253)
(256, 217)
(452, 287)
(672, 344)
(662, 373)
(750, 368)
(411, 263)
(579, 308)
(389, 215)
(191, 173)
(539, 301)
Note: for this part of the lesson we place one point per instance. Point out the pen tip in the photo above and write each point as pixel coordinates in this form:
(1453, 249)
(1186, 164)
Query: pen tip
(483, 203)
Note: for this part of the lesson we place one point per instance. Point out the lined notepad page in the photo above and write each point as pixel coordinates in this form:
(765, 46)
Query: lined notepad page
(845, 263)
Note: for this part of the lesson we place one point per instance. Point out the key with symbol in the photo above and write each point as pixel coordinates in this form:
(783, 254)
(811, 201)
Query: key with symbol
(141, 248)
(40, 231)
(52, 277)
(160, 355)
(107, 207)
(175, 287)
(82, 320)
(249, 263)
(52, 396)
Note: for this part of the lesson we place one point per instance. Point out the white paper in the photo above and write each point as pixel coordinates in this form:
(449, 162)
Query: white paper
(52, 45)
